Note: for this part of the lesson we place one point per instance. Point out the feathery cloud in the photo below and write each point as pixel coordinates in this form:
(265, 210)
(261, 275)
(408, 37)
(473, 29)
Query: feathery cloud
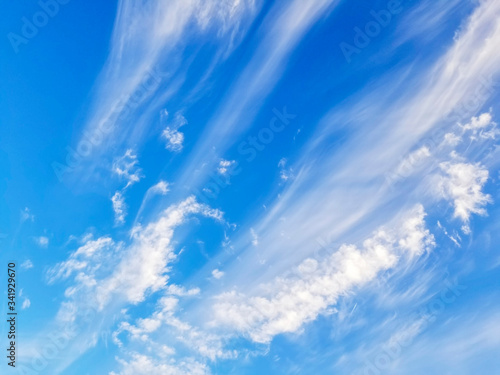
(462, 184)
(174, 138)
(119, 207)
(290, 302)
(127, 167)
(217, 274)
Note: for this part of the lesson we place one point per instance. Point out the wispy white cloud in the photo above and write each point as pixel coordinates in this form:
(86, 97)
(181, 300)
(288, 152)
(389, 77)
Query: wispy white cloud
(482, 126)
(141, 267)
(127, 167)
(478, 129)
(164, 321)
(146, 53)
(140, 364)
(92, 247)
(26, 215)
(108, 275)
(224, 166)
(180, 291)
(217, 274)
(455, 239)
(161, 188)
(290, 302)
(144, 267)
(80, 259)
(119, 207)
(27, 264)
(174, 138)
(255, 237)
(431, 17)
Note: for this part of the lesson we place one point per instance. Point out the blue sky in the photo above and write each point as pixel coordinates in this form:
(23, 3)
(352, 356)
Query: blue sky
(244, 186)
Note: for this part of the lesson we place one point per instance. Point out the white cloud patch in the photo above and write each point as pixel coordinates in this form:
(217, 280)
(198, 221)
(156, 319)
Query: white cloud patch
(452, 139)
(224, 166)
(160, 188)
(146, 262)
(285, 173)
(127, 167)
(174, 138)
(92, 247)
(479, 123)
(478, 128)
(290, 302)
(456, 240)
(217, 274)
(119, 207)
(26, 304)
(42, 241)
(255, 237)
(462, 185)
(414, 237)
(109, 275)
